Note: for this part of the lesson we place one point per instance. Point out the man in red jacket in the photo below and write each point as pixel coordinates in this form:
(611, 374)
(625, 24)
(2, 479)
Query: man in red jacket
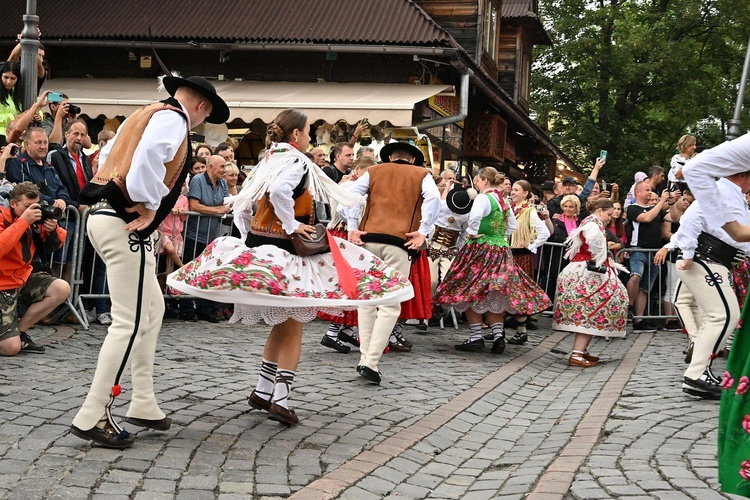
(21, 233)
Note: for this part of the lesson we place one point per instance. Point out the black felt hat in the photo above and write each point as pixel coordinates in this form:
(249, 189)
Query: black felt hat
(220, 111)
(460, 200)
(388, 149)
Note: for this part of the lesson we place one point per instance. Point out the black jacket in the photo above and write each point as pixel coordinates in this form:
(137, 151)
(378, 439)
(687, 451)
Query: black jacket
(66, 170)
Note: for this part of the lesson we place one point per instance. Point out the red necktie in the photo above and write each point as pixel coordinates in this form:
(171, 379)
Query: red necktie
(79, 171)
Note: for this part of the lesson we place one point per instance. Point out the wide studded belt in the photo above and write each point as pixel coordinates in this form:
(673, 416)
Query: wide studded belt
(100, 205)
(445, 237)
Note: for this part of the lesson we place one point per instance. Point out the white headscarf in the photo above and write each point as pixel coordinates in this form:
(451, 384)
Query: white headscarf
(283, 157)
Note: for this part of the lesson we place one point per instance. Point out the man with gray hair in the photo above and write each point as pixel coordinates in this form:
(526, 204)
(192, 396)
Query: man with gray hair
(365, 152)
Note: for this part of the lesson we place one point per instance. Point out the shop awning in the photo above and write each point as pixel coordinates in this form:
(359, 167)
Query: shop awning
(250, 100)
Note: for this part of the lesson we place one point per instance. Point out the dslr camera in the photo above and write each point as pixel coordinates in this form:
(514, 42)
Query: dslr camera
(49, 212)
(73, 109)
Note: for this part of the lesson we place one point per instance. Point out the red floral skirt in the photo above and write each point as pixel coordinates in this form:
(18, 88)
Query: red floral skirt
(485, 278)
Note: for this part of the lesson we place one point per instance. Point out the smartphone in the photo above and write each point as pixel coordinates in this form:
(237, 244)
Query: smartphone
(54, 97)
(603, 155)
(604, 186)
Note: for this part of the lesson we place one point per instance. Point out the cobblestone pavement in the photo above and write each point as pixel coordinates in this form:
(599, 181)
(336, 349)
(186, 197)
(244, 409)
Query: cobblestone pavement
(443, 424)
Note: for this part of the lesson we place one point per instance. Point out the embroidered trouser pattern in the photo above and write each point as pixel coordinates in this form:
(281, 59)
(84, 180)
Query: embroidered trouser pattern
(137, 311)
(710, 285)
(377, 322)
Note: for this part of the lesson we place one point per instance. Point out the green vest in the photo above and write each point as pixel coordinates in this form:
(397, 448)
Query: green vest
(493, 226)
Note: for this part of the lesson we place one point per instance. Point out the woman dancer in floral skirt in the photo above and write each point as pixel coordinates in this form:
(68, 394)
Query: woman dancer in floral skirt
(264, 276)
(591, 299)
(484, 278)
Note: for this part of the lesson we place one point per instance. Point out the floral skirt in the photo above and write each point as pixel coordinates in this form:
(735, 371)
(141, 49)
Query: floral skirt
(268, 284)
(485, 278)
(590, 302)
(734, 414)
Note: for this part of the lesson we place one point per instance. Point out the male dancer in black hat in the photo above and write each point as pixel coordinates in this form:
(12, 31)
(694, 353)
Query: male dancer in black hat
(142, 171)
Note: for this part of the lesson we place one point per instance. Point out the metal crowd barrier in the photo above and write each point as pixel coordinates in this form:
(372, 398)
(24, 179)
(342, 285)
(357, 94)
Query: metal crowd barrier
(550, 262)
(57, 264)
(219, 225)
(654, 296)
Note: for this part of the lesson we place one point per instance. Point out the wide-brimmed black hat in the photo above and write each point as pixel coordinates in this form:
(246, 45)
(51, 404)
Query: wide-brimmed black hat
(388, 149)
(220, 112)
(460, 200)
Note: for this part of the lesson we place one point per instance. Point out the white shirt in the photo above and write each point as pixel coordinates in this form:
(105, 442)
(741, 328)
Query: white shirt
(280, 196)
(694, 220)
(675, 165)
(701, 172)
(481, 209)
(430, 203)
(159, 144)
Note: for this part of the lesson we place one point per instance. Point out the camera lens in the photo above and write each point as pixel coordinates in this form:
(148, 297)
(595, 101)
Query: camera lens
(73, 109)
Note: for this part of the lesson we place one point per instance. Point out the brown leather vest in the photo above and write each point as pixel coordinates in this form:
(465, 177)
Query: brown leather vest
(266, 223)
(120, 158)
(394, 205)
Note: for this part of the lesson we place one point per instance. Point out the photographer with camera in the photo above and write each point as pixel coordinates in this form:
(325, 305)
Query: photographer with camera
(61, 111)
(26, 228)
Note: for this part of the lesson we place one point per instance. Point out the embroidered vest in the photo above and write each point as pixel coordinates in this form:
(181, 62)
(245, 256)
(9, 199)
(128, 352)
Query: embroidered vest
(493, 225)
(110, 182)
(394, 206)
(265, 221)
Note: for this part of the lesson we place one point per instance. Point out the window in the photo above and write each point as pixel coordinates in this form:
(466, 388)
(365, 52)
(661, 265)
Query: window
(491, 29)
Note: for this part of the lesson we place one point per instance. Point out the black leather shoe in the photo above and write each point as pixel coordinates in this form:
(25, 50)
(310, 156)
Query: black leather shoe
(107, 437)
(398, 347)
(369, 374)
(490, 337)
(402, 340)
(701, 394)
(518, 339)
(471, 345)
(283, 415)
(258, 402)
(708, 386)
(498, 346)
(188, 316)
(210, 317)
(349, 339)
(335, 344)
(158, 425)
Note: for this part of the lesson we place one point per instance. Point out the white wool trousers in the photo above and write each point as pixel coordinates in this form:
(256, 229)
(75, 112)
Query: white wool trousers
(376, 322)
(710, 286)
(137, 311)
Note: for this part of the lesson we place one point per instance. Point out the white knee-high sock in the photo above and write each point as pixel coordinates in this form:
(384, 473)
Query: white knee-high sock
(283, 387)
(267, 379)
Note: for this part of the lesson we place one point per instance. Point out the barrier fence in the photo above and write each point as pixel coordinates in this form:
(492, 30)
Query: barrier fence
(89, 283)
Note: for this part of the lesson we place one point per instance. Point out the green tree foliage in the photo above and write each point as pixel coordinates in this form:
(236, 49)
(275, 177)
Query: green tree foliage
(632, 76)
